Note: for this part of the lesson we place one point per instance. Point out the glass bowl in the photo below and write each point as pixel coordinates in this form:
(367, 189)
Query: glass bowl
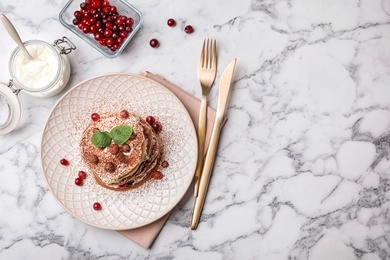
(123, 7)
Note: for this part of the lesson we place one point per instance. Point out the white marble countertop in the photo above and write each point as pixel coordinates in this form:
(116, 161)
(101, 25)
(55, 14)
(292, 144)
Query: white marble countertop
(302, 170)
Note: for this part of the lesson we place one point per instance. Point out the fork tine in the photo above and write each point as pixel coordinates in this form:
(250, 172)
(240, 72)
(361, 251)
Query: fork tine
(202, 56)
(207, 54)
(214, 55)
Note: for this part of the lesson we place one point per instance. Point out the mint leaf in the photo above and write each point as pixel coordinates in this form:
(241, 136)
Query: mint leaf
(101, 139)
(120, 134)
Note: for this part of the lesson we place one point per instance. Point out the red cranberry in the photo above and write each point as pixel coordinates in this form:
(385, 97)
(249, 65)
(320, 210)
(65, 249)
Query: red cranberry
(87, 14)
(82, 174)
(164, 164)
(103, 42)
(120, 41)
(93, 20)
(64, 162)
(93, 11)
(106, 10)
(156, 126)
(113, 9)
(129, 21)
(76, 21)
(83, 6)
(119, 21)
(157, 175)
(95, 116)
(123, 34)
(150, 119)
(154, 43)
(171, 22)
(86, 29)
(124, 114)
(113, 149)
(96, 4)
(98, 36)
(97, 206)
(78, 14)
(78, 181)
(107, 33)
(114, 47)
(110, 41)
(93, 29)
(189, 29)
(109, 25)
(122, 186)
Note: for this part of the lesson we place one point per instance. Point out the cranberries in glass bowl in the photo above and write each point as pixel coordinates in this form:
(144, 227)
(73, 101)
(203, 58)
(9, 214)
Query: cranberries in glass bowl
(106, 25)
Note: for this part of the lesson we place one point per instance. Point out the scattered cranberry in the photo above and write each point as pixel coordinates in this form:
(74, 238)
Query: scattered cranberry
(124, 114)
(78, 181)
(95, 116)
(164, 164)
(150, 119)
(122, 186)
(82, 174)
(97, 206)
(156, 126)
(171, 22)
(113, 149)
(64, 162)
(154, 43)
(157, 175)
(189, 29)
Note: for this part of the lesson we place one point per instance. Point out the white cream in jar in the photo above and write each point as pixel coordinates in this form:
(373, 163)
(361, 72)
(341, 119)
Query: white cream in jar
(44, 76)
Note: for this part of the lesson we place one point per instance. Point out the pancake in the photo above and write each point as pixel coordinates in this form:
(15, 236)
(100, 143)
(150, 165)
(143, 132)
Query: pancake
(127, 169)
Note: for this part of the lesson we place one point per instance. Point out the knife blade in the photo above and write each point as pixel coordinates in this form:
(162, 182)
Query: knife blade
(224, 90)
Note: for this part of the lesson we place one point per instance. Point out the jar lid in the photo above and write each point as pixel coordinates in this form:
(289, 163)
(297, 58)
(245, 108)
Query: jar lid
(10, 109)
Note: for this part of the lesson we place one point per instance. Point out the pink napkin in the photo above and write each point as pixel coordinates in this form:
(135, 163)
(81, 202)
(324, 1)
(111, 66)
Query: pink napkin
(144, 236)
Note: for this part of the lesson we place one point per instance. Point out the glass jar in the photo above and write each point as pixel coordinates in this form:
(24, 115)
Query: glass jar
(45, 76)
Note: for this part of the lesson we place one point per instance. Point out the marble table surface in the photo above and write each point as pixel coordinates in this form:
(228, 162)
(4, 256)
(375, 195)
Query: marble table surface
(302, 170)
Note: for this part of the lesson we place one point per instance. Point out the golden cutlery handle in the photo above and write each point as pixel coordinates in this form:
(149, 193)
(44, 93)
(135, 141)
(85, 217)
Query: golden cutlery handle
(206, 172)
(201, 139)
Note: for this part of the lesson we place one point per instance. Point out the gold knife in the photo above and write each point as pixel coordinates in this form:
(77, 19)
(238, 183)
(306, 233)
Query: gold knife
(224, 89)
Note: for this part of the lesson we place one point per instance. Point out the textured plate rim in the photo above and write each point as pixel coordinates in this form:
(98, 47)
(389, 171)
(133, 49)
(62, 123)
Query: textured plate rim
(192, 172)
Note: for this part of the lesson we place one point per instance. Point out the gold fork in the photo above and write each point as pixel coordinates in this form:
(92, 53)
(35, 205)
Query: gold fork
(207, 69)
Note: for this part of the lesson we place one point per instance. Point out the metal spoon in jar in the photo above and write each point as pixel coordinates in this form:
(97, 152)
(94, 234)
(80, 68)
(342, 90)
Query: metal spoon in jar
(14, 34)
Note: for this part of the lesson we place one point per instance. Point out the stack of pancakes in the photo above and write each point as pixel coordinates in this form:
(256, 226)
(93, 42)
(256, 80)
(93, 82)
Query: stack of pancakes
(129, 168)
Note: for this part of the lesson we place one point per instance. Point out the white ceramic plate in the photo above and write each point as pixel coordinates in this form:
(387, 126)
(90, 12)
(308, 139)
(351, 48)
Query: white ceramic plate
(62, 134)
